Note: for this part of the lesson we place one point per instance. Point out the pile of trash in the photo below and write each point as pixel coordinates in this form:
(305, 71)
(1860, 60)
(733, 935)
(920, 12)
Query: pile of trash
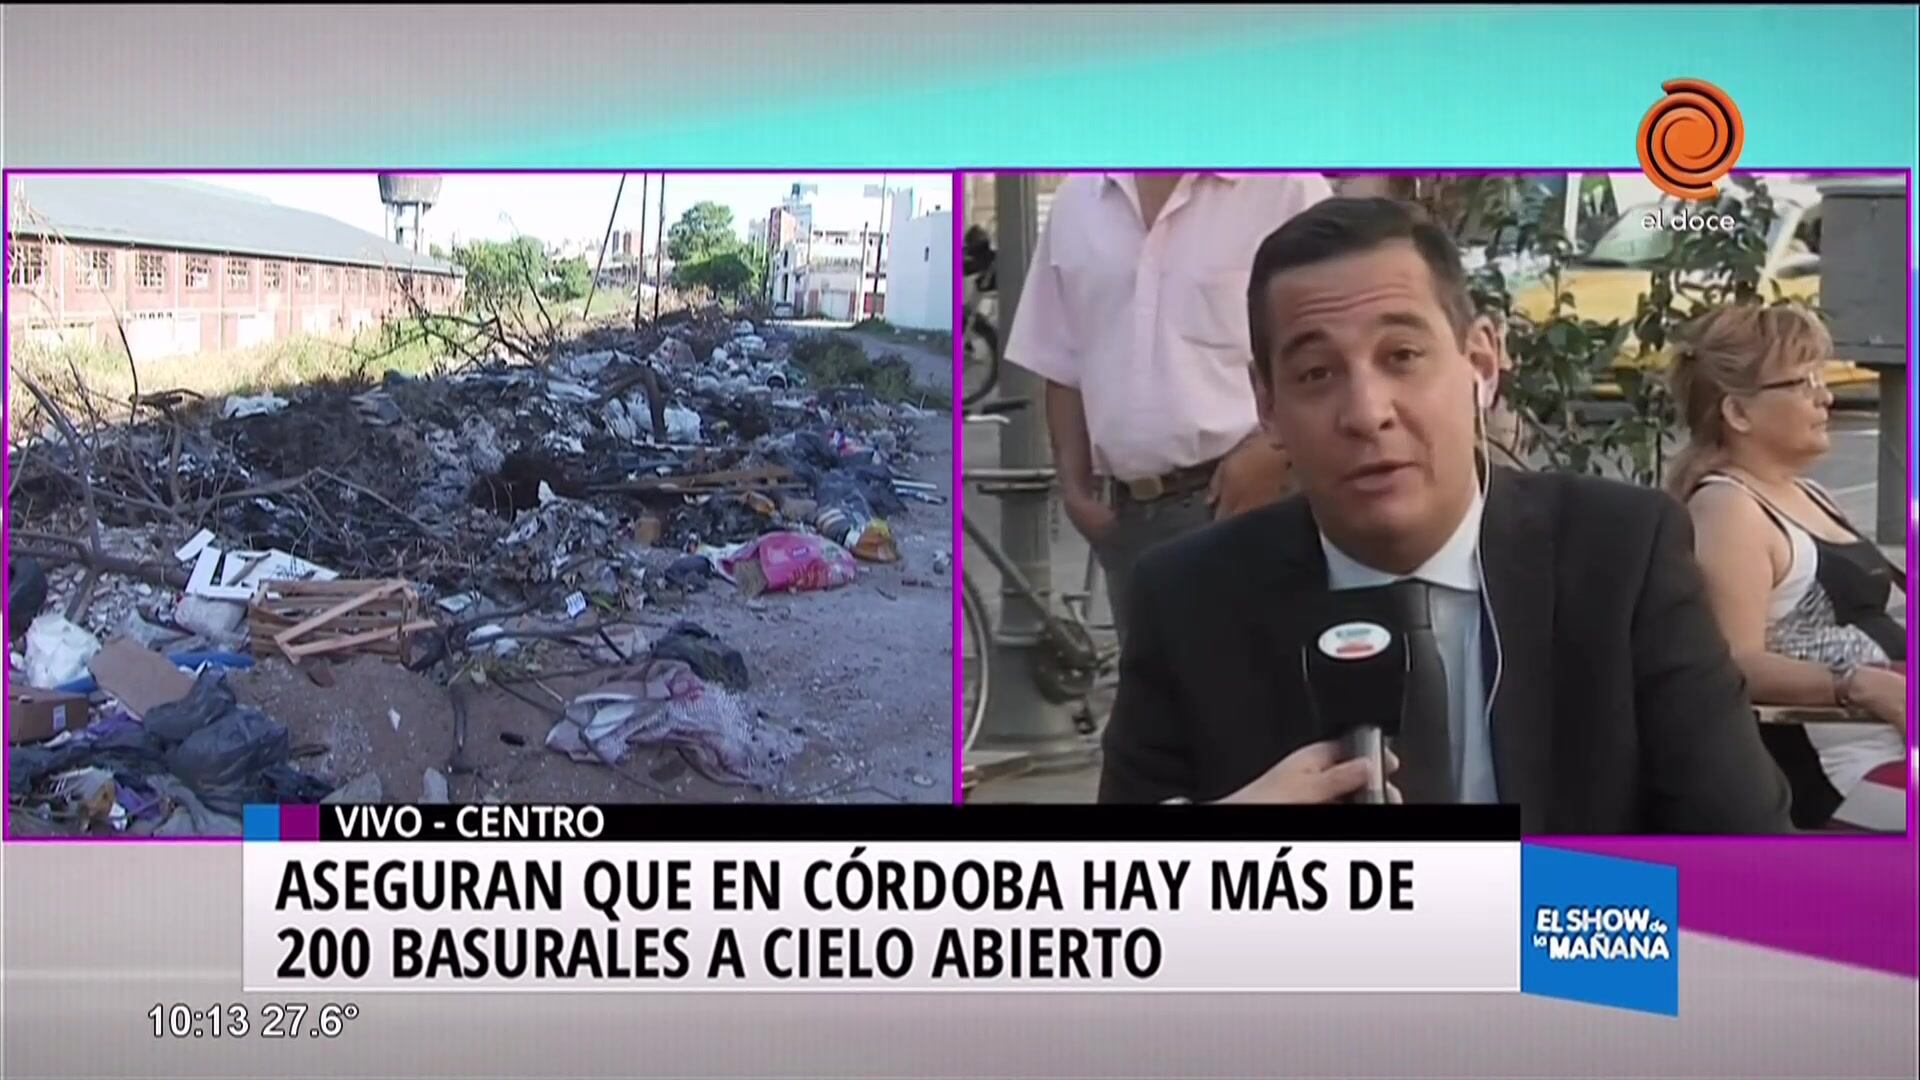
(503, 497)
(165, 754)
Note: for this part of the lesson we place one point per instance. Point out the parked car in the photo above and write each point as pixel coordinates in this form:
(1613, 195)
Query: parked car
(783, 310)
(1607, 281)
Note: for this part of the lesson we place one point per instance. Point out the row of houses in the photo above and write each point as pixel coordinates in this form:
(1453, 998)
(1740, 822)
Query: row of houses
(830, 258)
(183, 266)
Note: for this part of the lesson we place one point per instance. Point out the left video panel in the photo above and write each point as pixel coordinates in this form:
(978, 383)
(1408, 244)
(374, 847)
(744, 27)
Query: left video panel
(474, 487)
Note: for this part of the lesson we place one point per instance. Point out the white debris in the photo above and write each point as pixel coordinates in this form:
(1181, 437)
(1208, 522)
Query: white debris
(216, 619)
(560, 390)
(57, 651)
(238, 406)
(192, 547)
(491, 635)
(236, 575)
(683, 425)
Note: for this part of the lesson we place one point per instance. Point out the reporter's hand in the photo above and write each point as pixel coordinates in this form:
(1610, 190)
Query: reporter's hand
(1882, 692)
(1252, 475)
(1091, 516)
(1314, 774)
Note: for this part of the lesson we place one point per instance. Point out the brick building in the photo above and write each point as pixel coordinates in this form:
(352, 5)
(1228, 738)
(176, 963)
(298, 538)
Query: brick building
(190, 267)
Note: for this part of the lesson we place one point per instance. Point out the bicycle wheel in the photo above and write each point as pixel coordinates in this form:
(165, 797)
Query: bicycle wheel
(980, 362)
(976, 645)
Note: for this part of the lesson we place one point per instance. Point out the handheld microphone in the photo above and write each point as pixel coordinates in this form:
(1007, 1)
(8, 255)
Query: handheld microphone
(1374, 679)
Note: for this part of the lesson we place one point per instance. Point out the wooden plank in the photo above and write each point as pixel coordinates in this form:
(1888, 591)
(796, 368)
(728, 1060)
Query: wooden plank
(273, 627)
(290, 588)
(315, 622)
(318, 648)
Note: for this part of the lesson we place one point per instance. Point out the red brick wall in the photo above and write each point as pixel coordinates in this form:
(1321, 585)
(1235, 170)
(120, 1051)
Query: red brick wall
(65, 297)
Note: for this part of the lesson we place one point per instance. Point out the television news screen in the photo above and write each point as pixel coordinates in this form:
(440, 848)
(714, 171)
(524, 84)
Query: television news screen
(947, 541)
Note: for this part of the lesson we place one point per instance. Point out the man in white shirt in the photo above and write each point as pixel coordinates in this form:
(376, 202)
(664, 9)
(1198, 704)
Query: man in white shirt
(1134, 313)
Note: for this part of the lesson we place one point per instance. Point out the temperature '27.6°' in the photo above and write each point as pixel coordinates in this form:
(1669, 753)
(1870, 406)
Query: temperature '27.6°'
(276, 1020)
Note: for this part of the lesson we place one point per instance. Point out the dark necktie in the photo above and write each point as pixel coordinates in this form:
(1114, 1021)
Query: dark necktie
(1424, 745)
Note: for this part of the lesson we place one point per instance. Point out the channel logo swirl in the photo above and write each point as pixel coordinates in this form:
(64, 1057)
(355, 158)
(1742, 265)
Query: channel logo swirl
(1690, 139)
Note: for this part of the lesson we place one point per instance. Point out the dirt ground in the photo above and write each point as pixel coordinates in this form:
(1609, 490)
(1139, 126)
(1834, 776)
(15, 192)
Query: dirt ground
(861, 675)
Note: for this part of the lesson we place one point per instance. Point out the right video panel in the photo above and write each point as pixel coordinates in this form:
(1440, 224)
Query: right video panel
(1550, 489)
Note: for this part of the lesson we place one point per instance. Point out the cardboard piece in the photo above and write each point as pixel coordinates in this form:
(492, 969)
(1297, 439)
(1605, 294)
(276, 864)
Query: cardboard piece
(34, 714)
(139, 678)
(236, 575)
(195, 546)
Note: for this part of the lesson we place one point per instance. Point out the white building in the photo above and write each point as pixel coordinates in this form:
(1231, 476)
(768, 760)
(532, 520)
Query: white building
(824, 255)
(919, 265)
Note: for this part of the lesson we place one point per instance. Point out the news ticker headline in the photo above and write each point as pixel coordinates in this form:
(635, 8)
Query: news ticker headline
(865, 898)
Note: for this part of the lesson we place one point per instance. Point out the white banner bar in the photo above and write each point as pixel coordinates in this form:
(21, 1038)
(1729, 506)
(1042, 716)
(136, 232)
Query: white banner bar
(1326, 916)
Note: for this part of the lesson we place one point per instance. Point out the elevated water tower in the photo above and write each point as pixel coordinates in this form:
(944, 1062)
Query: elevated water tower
(407, 196)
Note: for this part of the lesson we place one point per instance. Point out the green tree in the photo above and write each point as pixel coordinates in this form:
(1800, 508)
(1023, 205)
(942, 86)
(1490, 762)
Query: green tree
(726, 274)
(1560, 355)
(500, 272)
(568, 279)
(703, 232)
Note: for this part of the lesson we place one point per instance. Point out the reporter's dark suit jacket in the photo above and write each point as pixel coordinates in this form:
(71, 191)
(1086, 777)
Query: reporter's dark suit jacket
(1619, 710)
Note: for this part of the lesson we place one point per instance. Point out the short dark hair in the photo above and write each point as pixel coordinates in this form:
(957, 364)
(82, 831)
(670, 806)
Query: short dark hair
(1348, 226)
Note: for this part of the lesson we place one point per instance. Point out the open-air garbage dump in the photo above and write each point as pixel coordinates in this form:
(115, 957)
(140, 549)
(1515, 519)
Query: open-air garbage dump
(681, 563)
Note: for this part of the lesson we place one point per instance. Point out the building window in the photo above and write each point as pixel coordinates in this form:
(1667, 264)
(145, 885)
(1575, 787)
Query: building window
(150, 270)
(239, 274)
(926, 254)
(355, 278)
(199, 271)
(94, 270)
(329, 279)
(29, 265)
(302, 278)
(273, 275)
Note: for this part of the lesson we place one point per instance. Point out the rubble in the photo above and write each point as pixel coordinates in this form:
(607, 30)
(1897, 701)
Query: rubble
(475, 522)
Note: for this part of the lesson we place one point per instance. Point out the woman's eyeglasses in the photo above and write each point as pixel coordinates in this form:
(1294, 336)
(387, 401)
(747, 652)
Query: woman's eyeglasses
(1809, 385)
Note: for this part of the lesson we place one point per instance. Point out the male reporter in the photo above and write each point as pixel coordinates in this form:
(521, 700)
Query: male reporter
(1586, 679)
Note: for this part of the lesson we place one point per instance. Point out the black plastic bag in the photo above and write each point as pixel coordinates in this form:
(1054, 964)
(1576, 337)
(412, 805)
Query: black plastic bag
(710, 658)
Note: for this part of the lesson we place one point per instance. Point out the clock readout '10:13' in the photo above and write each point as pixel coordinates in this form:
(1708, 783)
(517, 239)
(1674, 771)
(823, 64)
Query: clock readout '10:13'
(276, 1020)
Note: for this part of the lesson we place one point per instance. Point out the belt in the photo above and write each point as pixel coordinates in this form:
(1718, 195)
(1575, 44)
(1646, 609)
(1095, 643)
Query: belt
(1166, 485)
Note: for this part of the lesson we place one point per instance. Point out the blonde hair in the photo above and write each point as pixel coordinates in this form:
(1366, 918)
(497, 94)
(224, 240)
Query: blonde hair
(1725, 353)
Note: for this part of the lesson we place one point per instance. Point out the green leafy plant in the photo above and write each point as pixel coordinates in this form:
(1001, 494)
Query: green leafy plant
(1559, 357)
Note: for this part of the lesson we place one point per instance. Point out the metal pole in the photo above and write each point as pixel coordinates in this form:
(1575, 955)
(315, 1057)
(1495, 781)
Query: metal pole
(1018, 717)
(659, 246)
(640, 276)
(1890, 517)
(879, 249)
(594, 285)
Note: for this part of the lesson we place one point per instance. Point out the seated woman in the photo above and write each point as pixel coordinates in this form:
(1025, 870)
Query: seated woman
(1800, 594)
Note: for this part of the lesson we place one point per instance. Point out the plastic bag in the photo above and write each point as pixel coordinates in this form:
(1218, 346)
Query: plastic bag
(793, 562)
(711, 658)
(225, 761)
(57, 651)
(229, 754)
(868, 537)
